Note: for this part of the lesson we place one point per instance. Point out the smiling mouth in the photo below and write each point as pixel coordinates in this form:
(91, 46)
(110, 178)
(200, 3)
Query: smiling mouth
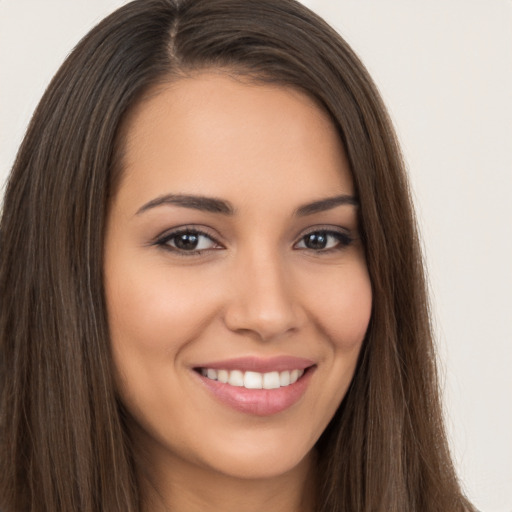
(251, 379)
(279, 384)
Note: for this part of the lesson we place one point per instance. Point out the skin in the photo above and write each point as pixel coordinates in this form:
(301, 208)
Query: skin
(255, 287)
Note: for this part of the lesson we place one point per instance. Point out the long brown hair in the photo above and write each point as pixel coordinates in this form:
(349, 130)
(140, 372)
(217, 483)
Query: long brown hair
(64, 443)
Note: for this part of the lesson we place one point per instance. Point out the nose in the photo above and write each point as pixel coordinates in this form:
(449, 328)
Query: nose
(262, 301)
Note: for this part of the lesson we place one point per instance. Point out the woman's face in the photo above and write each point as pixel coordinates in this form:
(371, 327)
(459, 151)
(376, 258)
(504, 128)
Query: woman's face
(236, 284)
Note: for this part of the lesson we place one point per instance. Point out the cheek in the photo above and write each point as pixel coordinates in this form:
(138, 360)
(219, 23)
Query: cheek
(342, 307)
(154, 313)
(350, 322)
(155, 309)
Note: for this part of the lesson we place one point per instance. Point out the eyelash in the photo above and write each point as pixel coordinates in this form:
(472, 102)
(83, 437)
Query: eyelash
(164, 241)
(343, 238)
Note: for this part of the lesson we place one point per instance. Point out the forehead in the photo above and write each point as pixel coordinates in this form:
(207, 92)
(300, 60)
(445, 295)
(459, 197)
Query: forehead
(224, 134)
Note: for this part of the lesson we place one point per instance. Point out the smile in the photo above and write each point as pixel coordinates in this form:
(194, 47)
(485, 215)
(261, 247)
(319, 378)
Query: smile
(253, 380)
(255, 386)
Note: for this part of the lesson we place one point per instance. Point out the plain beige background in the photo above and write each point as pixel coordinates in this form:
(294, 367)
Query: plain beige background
(444, 68)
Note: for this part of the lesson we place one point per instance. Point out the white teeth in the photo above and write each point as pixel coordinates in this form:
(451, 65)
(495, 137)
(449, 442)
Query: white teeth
(284, 378)
(271, 380)
(253, 380)
(223, 376)
(236, 378)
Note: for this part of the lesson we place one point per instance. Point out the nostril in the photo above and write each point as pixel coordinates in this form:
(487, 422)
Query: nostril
(264, 321)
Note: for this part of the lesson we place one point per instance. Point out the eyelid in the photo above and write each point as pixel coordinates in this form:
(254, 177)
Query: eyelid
(326, 228)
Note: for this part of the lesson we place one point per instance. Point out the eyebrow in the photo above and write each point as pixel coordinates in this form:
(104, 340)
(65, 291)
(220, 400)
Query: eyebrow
(205, 204)
(214, 205)
(326, 204)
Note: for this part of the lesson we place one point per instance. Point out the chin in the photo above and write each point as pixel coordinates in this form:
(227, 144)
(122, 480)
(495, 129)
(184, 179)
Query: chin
(264, 456)
(263, 466)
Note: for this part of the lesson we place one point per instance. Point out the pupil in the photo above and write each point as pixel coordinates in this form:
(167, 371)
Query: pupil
(316, 241)
(187, 241)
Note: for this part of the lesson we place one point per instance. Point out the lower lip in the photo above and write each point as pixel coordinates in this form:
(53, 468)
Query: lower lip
(260, 402)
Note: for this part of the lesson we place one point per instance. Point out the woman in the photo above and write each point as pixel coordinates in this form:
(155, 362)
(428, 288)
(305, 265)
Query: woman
(212, 292)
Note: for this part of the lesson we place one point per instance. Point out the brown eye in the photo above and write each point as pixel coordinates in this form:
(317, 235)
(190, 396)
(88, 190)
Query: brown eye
(186, 241)
(189, 240)
(316, 241)
(324, 240)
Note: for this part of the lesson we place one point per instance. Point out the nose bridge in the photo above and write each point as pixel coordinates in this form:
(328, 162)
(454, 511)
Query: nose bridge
(262, 299)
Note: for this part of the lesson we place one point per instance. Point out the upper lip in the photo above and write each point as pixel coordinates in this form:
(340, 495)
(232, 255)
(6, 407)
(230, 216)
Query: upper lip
(259, 364)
